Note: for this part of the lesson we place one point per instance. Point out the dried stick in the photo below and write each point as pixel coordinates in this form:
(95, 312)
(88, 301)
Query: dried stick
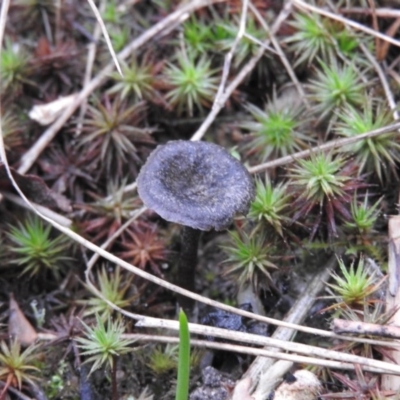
(293, 358)
(3, 18)
(297, 348)
(259, 42)
(262, 367)
(306, 153)
(100, 21)
(15, 391)
(137, 271)
(57, 25)
(380, 12)
(384, 48)
(304, 6)
(217, 106)
(64, 221)
(281, 55)
(363, 328)
(161, 282)
(394, 75)
(33, 153)
(375, 25)
(384, 81)
(92, 47)
(130, 188)
(231, 52)
(114, 236)
(393, 294)
(323, 147)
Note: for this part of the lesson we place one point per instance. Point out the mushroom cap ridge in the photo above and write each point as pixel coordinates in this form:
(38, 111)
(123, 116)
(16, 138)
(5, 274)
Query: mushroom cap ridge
(196, 184)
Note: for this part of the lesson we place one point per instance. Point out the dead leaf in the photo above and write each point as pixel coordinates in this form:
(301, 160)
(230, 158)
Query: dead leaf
(242, 389)
(302, 385)
(382, 50)
(35, 189)
(45, 114)
(19, 327)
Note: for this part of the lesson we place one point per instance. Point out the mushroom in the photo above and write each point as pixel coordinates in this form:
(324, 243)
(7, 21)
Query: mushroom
(198, 185)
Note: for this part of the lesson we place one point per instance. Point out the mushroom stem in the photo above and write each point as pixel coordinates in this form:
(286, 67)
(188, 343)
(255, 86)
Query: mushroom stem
(187, 264)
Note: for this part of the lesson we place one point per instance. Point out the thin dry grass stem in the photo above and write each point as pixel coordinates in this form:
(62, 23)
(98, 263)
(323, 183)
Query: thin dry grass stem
(296, 348)
(247, 68)
(288, 328)
(379, 12)
(131, 187)
(114, 236)
(46, 25)
(364, 328)
(112, 258)
(321, 356)
(281, 55)
(348, 22)
(128, 188)
(33, 153)
(100, 21)
(346, 60)
(394, 63)
(15, 391)
(393, 295)
(279, 370)
(126, 4)
(175, 24)
(293, 358)
(231, 52)
(91, 55)
(375, 24)
(385, 84)
(61, 219)
(384, 47)
(394, 75)
(158, 281)
(263, 367)
(57, 25)
(323, 147)
(305, 153)
(249, 350)
(144, 321)
(96, 256)
(3, 19)
(259, 42)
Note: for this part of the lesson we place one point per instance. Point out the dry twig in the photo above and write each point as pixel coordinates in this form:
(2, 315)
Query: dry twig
(348, 22)
(217, 107)
(91, 55)
(333, 144)
(343, 326)
(231, 52)
(257, 352)
(393, 294)
(384, 82)
(100, 21)
(281, 55)
(33, 153)
(263, 367)
(380, 12)
(297, 348)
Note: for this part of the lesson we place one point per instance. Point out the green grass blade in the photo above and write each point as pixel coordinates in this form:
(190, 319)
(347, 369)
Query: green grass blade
(182, 388)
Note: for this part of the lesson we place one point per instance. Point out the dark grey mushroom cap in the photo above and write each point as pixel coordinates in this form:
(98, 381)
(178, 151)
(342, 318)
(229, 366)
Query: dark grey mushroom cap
(196, 184)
